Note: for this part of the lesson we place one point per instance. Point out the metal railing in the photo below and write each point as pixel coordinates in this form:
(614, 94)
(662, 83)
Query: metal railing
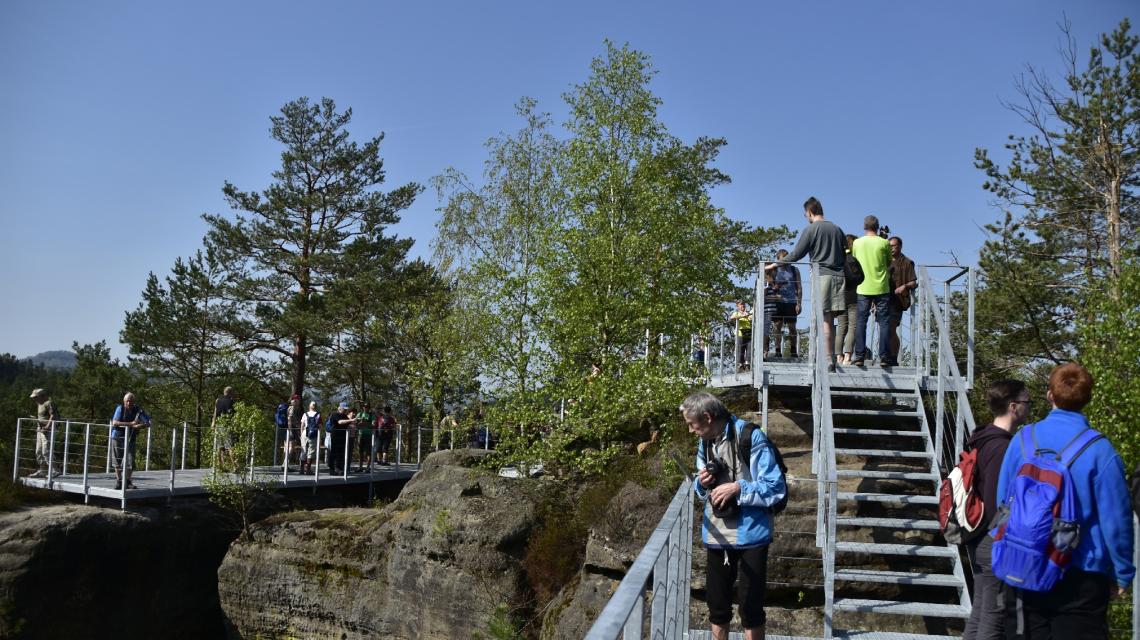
(823, 463)
(664, 568)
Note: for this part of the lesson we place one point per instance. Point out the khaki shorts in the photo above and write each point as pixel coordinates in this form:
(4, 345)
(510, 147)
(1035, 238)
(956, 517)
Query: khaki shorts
(829, 293)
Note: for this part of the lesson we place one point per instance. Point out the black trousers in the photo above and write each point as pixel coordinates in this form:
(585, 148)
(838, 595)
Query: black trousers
(1076, 609)
(748, 568)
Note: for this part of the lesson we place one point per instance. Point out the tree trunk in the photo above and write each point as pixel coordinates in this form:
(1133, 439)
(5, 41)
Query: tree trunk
(300, 351)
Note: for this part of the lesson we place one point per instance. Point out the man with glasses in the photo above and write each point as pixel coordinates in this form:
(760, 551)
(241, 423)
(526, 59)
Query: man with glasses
(1009, 403)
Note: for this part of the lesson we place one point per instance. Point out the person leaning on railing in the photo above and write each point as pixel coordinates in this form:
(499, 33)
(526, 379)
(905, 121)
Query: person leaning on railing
(737, 523)
(128, 419)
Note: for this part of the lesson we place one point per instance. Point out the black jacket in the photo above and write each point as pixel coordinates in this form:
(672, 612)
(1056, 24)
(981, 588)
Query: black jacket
(991, 442)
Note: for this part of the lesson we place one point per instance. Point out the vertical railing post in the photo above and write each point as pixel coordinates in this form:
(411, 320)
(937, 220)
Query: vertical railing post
(66, 447)
(317, 462)
(146, 466)
(16, 459)
(214, 454)
(183, 445)
(277, 441)
(970, 330)
(51, 455)
(110, 432)
(285, 466)
(344, 471)
(173, 460)
(86, 452)
(399, 444)
(486, 437)
(939, 404)
(252, 451)
(758, 328)
(419, 444)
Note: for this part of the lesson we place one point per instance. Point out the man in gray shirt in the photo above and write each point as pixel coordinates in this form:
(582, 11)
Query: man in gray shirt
(826, 244)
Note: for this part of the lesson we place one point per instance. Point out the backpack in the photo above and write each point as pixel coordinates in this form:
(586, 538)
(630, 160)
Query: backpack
(960, 506)
(852, 272)
(312, 425)
(331, 424)
(744, 450)
(282, 415)
(1036, 528)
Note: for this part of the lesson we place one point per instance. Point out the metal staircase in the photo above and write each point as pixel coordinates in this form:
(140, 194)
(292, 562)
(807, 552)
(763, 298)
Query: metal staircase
(878, 460)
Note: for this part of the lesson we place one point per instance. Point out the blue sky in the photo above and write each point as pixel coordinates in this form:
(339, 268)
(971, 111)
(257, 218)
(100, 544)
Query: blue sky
(120, 121)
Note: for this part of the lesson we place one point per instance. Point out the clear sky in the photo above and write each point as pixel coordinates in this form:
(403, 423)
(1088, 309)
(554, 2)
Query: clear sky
(120, 121)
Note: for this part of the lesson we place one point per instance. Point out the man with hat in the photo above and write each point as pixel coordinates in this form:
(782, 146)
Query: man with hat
(46, 416)
(339, 423)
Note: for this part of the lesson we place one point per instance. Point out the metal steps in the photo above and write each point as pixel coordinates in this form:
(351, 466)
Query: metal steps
(882, 413)
(922, 550)
(898, 577)
(884, 453)
(903, 608)
(872, 393)
(887, 523)
(885, 475)
(877, 432)
(892, 498)
(885, 635)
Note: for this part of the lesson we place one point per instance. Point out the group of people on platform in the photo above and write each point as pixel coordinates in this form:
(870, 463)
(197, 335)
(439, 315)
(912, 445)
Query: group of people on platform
(859, 277)
(346, 435)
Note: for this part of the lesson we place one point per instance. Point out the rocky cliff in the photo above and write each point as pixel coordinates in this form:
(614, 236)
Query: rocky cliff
(437, 562)
(72, 571)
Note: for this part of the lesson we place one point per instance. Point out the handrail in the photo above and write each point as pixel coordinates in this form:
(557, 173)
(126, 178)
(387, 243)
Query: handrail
(824, 466)
(667, 557)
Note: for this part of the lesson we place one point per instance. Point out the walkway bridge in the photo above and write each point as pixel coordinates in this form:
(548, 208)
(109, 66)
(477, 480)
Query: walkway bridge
(881, 438)
(78, 461)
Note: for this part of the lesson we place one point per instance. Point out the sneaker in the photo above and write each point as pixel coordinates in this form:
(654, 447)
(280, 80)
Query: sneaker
(39, 473)
(884, 364)
(131, 485)
(831, 368)
(118, 486)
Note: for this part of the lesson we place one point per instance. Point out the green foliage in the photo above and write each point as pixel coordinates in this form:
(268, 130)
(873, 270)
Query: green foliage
(1070, 207)
(584, 265)
(96, 385)
(1110, 349)
(235, 486)
(317, 231)
(503, 625)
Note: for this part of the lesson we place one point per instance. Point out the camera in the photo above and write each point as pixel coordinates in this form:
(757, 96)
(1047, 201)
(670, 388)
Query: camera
(714, 467)
(884, 232)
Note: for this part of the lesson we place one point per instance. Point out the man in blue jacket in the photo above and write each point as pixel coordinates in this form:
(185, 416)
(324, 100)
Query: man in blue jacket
(737, 527)
(1101, 566)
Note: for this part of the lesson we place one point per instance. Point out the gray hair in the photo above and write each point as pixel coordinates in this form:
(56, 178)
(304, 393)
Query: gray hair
(703, 402)
(129, 396)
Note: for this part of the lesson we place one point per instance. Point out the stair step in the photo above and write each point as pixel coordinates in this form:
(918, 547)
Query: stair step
(888, 497)
(903, 608)
(875, 412)
(885, 475)
(877, 432)
(899, 577)
(873, 393)
(884, 635)
(884, 453)
(924, 550)
(888, 523)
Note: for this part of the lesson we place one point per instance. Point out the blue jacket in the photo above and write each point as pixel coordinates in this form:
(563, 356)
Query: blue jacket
(122, 415)
(1104, 506)
(753, 528)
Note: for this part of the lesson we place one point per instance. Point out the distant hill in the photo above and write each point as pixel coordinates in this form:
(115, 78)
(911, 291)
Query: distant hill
(55, 359)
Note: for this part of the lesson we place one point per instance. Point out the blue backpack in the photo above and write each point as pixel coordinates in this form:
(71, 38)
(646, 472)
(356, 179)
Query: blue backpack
(282, 415)
(312, 425)
(1036, 528)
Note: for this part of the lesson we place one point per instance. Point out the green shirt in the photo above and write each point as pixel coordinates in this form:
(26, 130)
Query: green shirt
(874, 256)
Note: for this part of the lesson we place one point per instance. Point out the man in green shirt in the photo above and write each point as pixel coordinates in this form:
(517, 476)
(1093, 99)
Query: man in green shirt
(874, 255)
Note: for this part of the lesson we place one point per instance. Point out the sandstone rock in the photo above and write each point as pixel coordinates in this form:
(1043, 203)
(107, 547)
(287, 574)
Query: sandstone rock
(435, 563)
(73, 571)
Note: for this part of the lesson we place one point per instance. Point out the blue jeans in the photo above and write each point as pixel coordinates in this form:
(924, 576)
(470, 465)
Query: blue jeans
(882, 319)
